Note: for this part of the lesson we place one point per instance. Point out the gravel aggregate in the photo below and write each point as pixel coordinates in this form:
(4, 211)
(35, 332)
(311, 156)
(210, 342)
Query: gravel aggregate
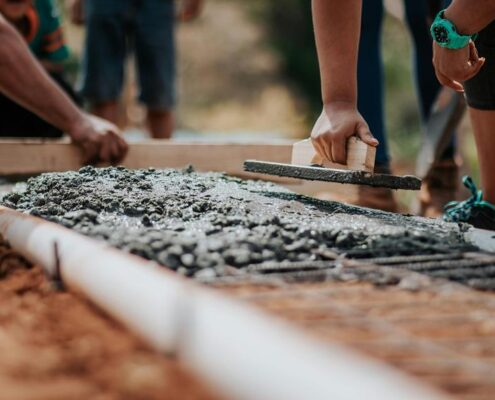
(210, 224)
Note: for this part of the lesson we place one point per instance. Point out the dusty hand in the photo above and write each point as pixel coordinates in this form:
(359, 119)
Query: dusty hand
(76, 10)
(453, 67)
(190, 9)
(337, 123)
(99, 140)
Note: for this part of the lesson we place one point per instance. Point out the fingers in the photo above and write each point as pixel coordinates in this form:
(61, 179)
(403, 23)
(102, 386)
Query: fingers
(323, 147)
(364, 133)
(105, 153)
(118, 148)
(476, 69)
(449, 83)
(90, 153)
(339, 151)
(453, 67)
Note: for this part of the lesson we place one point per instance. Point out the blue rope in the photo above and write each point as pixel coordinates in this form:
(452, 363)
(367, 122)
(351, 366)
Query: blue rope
(460, 211)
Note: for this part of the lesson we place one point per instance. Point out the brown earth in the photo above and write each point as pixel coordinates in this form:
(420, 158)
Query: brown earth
(442, 334)
(56, 345)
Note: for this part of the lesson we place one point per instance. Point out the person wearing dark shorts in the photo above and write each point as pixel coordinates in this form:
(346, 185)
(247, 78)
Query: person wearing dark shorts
(464, 59)
(39, 24)
(116, 28)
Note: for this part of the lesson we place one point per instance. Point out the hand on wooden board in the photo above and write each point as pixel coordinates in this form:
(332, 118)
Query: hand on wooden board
(336, 124)
(99, 140)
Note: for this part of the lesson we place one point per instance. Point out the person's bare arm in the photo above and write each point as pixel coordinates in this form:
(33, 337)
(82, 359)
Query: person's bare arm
(453, 67)
(337, 30)
(25, 81)
(471, 16)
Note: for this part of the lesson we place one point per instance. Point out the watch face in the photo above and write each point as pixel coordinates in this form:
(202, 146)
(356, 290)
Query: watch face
(441, 34)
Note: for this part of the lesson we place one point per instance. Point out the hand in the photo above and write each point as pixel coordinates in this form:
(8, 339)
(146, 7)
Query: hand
(76, 10)
(99, 140)
(190, 9)
(337, 123)
(453, 67)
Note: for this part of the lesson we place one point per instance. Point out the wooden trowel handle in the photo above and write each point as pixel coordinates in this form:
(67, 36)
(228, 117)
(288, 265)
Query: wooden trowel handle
(360, 156)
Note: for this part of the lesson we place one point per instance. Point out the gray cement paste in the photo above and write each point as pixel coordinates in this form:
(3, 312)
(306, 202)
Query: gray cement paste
(205, 224)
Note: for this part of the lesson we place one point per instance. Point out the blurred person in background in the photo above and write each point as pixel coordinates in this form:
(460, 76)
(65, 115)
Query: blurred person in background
(38, 22)
(114, 28)
(441, 186)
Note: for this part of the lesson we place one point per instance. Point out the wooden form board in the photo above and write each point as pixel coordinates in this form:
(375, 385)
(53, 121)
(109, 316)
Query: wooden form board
(28, 157)
(36, 156)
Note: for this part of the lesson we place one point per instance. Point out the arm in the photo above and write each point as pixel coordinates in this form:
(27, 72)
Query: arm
(24, 80)
(337, 29)
(456, 66)
(471, 16)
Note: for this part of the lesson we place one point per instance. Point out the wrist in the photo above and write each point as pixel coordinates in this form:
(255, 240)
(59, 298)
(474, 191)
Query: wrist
(340, 105)
(446, 34)
(453, 16)
(76, 125)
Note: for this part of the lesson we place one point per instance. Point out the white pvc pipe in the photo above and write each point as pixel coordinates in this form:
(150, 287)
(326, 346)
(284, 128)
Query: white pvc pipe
(244, 353)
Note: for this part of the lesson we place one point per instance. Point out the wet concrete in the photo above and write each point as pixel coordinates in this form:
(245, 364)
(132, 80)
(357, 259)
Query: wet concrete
(315, 173)
(209, 224)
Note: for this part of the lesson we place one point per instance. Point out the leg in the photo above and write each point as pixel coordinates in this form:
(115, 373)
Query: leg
(483, 122)
(441, 185)
(161, 123)
(418, 19)
(108, 110)
(370, 76)
(155, 54)
(104, 56)
(371, 102)
(417, 12)
(480, 95)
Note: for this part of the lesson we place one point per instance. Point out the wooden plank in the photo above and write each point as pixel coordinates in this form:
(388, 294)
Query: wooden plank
(360, 156)
(36, 156)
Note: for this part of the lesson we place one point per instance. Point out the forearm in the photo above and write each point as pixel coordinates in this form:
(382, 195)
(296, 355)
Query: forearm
(337, 29)
(471, 16)
(24, 80)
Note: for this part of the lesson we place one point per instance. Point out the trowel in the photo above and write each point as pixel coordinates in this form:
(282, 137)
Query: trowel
(306, 164)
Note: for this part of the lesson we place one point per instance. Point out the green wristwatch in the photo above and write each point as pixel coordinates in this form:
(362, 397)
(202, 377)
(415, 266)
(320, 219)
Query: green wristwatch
(445, 34)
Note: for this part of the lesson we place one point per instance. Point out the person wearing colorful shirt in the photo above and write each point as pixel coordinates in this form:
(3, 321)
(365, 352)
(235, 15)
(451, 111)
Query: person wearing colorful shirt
(26, 82)
(39, 24)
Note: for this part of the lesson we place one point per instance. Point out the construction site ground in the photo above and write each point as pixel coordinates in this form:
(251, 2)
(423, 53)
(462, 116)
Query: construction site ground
(410, 292)
(55, 345)
(443, 334)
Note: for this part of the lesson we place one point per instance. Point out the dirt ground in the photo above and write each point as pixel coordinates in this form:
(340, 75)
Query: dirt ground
(55, 345)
